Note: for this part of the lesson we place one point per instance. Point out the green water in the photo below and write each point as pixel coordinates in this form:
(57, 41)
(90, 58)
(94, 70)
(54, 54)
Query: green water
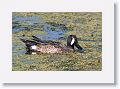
(57, 26)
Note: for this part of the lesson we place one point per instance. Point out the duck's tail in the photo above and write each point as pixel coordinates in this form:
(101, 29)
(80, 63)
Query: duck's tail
(28, 43)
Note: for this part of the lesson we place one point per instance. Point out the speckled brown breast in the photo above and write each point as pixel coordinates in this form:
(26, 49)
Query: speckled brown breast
(52, 48)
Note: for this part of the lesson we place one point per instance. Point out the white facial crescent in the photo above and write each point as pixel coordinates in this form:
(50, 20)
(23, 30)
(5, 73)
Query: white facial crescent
(73, 40)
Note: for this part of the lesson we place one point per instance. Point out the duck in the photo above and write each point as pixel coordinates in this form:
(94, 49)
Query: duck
(43, 46)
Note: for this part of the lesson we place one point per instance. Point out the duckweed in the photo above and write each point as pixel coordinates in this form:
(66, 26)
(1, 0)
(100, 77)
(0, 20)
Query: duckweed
(87, 26)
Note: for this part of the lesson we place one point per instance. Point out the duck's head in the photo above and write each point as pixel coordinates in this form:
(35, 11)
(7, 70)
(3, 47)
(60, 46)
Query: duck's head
(72, 41)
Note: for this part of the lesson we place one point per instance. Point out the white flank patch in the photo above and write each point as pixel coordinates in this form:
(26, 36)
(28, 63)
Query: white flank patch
(73, 40)
(34, 47)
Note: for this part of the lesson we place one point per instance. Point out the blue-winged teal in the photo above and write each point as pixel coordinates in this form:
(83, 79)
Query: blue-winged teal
(38, 45)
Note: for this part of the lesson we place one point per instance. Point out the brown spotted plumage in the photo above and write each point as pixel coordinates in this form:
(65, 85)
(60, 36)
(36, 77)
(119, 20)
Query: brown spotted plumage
(37, 45)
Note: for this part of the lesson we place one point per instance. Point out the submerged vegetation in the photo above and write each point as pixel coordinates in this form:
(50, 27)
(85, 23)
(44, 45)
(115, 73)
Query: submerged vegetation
(87, 26)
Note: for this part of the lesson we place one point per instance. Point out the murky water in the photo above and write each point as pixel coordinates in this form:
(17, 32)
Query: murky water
(27, 24)
(52, 26)
(52, 32)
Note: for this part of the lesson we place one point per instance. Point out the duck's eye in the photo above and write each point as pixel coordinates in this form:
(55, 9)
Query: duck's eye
(72, 41)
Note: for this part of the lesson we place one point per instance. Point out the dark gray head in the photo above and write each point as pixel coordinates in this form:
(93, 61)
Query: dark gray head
(72, 41)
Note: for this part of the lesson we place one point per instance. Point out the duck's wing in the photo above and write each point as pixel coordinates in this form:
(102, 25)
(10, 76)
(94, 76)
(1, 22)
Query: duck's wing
(44, 41)
(37, 39)
(28, 43)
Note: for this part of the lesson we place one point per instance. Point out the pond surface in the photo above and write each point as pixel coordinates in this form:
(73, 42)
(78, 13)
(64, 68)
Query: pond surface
(23, 23)
(27, 23)
(52, 32)
(24, 26)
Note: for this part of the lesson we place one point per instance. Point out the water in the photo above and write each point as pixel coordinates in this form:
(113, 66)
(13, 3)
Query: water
(18, 49)
(52, 32)
(25, 23)
(28, 23)
(24, 26)
(26, 61)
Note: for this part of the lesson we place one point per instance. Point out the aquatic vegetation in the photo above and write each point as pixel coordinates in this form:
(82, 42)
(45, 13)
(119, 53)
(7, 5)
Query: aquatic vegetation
(87, 26)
